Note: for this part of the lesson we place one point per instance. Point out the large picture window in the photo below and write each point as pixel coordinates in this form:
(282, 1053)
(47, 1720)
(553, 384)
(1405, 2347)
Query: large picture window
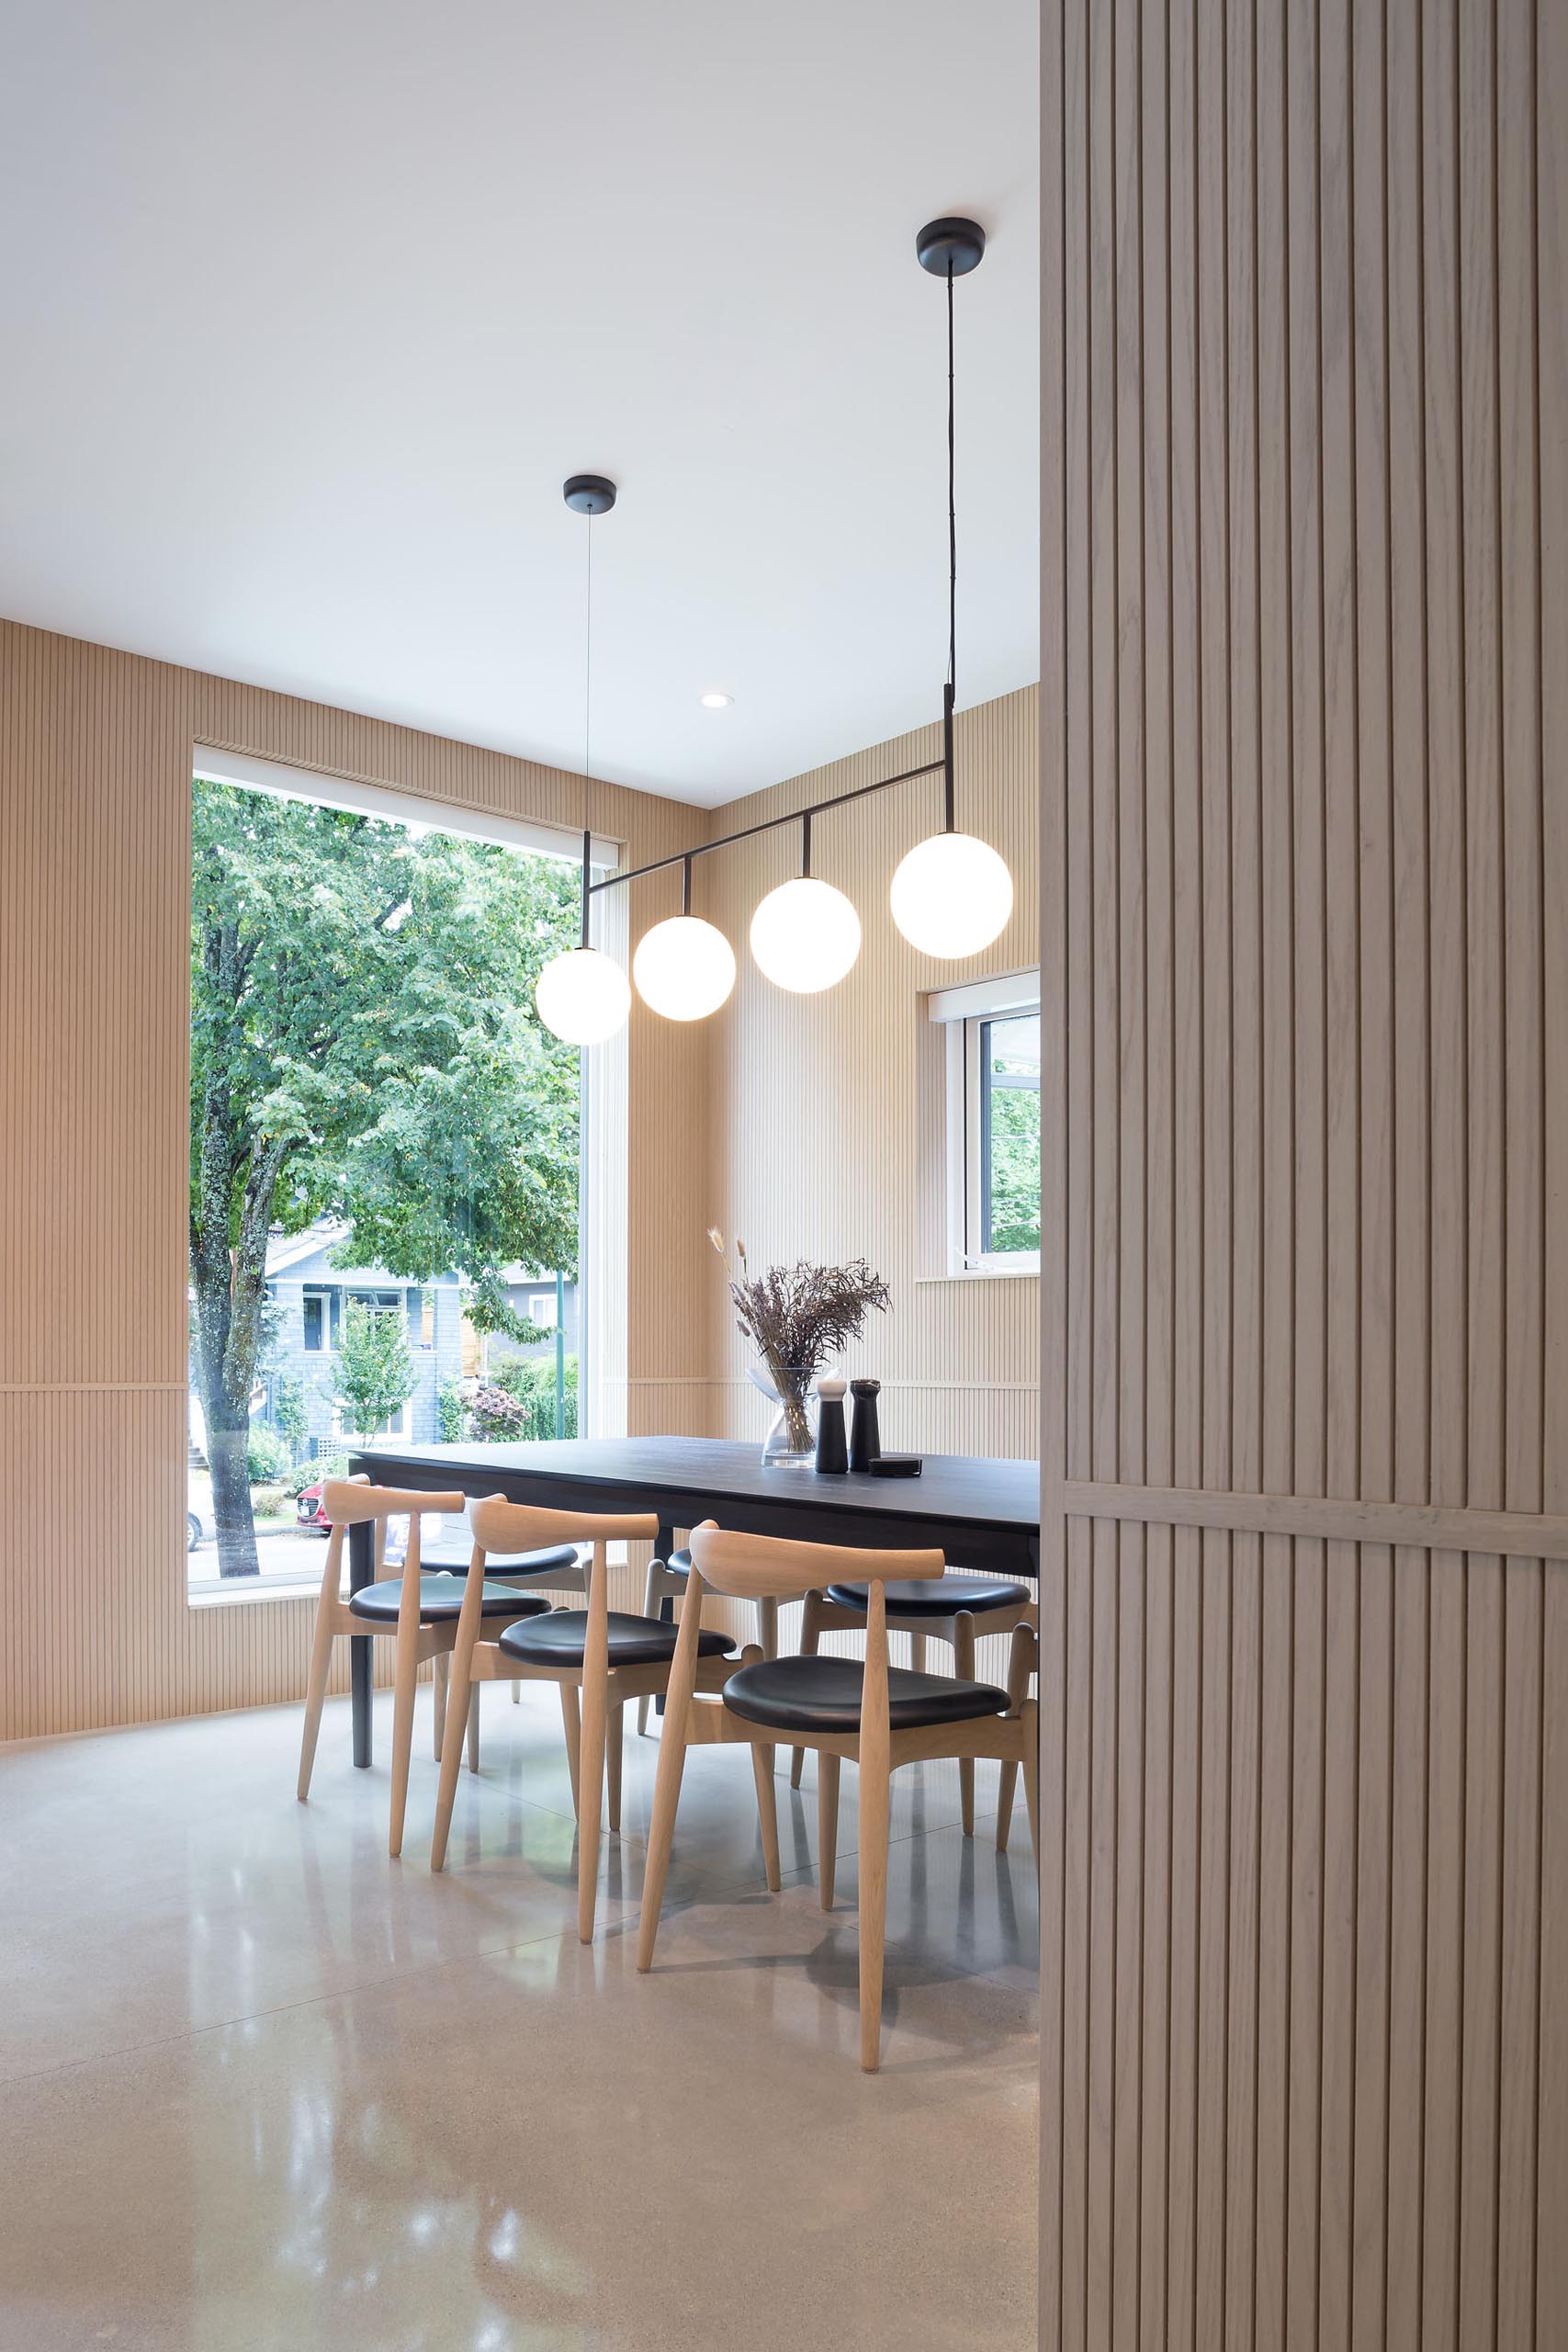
(383, 1137)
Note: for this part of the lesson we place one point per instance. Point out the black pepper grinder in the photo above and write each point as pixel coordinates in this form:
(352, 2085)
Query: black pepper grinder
(866, 1442)
(832, 1453)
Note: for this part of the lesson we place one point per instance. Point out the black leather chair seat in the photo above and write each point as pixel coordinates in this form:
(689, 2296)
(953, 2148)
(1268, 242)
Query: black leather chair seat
(824, 1694)
(936, 1596)
(440, 1597)
(556, 1640)
(450, 1562)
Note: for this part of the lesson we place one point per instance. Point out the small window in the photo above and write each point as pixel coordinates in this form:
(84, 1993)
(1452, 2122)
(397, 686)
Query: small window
(990, 1097)
(315, 1322)
(542, 1309)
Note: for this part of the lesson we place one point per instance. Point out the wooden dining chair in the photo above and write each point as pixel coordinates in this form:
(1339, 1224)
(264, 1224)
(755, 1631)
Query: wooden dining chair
(880, 1717)
(417, 1608)
(957, 1608)
(599, 1657)
(666, 1589)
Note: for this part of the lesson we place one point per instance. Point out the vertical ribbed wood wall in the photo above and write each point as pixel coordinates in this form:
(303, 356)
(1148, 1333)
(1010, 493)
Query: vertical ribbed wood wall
(1304, 706)
(95, 879)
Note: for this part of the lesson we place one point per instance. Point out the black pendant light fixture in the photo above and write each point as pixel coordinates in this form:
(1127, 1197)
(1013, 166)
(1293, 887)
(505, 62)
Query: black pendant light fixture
(584, 995)
(951, 896)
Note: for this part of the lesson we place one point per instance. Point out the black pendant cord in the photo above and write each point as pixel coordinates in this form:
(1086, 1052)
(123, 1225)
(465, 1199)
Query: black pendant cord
(686, 886)
(950, 688)
(587, 714)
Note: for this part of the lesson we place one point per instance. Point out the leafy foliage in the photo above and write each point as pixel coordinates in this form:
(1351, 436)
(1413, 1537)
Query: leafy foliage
(452, 1412)
(517, 1404)
(373, 1377)
(1015, 1167)
(363, 1042)
(289, 1414)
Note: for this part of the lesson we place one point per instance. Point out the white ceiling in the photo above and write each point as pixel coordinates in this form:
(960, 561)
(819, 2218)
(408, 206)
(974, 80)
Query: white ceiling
(308, 309)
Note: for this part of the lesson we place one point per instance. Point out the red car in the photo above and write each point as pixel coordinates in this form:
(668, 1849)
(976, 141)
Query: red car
(310, 1513)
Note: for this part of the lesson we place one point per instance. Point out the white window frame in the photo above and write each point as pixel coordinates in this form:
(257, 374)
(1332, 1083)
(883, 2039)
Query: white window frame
(961, 1014)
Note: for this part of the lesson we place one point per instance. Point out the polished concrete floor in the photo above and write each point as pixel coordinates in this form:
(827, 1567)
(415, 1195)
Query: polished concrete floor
(262, 2091)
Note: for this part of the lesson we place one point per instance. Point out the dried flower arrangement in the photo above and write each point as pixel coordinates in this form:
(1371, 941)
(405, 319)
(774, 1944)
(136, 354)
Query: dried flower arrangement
(801, 1317)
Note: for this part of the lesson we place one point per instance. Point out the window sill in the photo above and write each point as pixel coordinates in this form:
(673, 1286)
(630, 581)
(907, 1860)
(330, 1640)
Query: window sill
(981, 1275)
(246, 1593)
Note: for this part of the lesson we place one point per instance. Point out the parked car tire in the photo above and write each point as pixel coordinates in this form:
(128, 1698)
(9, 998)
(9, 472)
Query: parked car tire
(193, 1530)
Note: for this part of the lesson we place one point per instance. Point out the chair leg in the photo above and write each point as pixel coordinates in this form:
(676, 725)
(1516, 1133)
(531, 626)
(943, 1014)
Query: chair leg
(917, 1653)
(438, 1708)
(593, 1700)
(614, 1738)
(666, 1799)
(650, 1588)
(315, 1693)
(810, 1637)
(1030, 1716)
(767, 1813)
(963, 1667)
(570, 1724)
(405, 1673)
(461, 1690)
(826, 1825)
(874, 1811)
(474, 1728)
(517, 1694)
(1021, 1666)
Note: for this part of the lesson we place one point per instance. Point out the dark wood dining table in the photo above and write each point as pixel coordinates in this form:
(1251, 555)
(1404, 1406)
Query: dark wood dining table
(983, 1512)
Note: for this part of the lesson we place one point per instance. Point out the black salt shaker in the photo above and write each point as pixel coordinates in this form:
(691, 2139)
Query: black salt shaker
(865, 1443)
(832, 1453)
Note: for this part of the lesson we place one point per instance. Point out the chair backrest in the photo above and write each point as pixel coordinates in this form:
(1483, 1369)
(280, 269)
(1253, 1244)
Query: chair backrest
(352, 1502)
(766, 1567)
(499, 1526)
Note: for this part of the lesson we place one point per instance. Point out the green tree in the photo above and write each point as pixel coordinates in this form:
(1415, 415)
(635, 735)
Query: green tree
(364, 1042)
(1015, 1166)
(373, 1377)
(289, 1414)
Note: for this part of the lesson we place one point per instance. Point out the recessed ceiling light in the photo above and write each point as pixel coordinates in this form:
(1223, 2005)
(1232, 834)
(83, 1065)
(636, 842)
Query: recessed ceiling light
(715, 701)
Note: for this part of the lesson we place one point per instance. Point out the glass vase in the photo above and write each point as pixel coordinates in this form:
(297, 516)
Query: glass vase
(790, 1442)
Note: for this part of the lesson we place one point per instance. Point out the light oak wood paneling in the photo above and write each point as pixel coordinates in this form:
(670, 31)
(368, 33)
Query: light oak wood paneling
(95, 752)
(1306, 2010)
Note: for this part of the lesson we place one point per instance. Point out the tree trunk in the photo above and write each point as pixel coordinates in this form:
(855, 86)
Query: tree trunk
(227, 1450)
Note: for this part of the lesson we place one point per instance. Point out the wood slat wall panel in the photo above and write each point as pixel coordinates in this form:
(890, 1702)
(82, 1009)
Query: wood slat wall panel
(1312, 591)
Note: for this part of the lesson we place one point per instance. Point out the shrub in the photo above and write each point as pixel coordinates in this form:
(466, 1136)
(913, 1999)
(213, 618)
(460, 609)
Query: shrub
(310, 1474)
(517, 1405)
(266, 1454)
(452, 1412)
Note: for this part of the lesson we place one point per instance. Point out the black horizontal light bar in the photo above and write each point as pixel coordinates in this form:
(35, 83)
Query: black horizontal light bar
(747, 832)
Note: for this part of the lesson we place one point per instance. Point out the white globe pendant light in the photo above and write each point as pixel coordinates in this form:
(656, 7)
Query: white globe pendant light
(806, 934)
(583, 996)
(952, 895)
(683, 967)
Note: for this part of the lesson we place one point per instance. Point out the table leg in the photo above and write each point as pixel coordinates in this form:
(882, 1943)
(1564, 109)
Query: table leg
(663, 1544)
(361, 1571)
